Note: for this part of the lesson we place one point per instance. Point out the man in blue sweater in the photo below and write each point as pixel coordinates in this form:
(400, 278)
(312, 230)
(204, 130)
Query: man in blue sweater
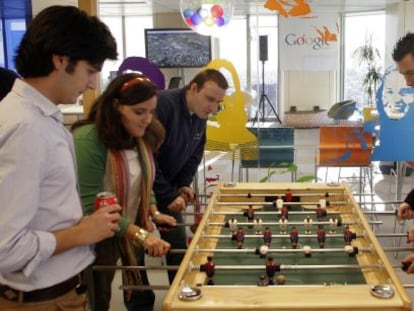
(184, 113)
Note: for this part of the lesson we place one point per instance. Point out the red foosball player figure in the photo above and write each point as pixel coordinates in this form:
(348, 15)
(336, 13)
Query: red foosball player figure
(249, 213)
(271, 268)
(210, 268)
(284, 212)
(240, 237)
(307, 223)
(258, 225)
(294, 237)
(288, 196)
(348, 235)
(320, 212)
(267, 236)
(321, 236)
(283, 224)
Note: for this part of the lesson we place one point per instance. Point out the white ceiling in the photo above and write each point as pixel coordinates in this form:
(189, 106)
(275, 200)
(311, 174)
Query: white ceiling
(141, 7)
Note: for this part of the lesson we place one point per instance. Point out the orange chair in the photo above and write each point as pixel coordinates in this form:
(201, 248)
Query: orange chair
(345, 146)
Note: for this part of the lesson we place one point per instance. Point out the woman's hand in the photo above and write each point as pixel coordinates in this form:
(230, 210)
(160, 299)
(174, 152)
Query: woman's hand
(155, 246)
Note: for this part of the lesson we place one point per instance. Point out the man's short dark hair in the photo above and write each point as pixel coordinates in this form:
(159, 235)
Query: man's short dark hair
(65, 31)
(403, 47)
(210, 75)
(7, 78)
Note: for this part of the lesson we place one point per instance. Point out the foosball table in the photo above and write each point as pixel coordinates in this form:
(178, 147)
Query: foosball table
(285, 246)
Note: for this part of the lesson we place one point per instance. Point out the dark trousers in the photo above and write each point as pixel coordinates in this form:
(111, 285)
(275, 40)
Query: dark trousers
(178, 240)
(99, 281)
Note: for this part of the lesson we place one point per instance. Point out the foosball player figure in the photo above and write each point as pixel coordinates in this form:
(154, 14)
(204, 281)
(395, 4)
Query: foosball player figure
(348, 235)
(279, 203)
(320, 212)
(232, 224)
(307, 223)
(258, 225)
(262, 281)
(294, 237)
(333, 224)
(267, 236)
(209, 268)
(249, 214)
(283, 224)
(284, 212)
(288, 196)
(321, 236)
(271, 269)
(240, 237)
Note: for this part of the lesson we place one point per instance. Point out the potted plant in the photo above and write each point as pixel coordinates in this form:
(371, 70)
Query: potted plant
(368, 57)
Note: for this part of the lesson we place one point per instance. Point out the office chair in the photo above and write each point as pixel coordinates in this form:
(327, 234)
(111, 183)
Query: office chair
(342, 110)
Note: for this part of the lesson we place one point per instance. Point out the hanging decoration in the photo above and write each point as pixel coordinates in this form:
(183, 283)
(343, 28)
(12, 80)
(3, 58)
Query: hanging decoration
(290, 8)
(207, 17)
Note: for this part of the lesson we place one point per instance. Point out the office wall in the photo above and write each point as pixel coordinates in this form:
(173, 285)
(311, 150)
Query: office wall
(306, 89)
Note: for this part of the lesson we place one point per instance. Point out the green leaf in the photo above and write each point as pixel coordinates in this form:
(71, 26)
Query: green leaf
(306, 178)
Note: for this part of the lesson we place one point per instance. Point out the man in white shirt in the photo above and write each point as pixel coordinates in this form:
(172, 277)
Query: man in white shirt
(45, 243)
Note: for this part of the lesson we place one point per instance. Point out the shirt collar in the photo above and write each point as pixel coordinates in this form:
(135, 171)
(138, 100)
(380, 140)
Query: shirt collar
(47, 107)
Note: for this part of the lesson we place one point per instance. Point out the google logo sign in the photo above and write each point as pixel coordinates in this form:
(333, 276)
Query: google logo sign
(295, 40)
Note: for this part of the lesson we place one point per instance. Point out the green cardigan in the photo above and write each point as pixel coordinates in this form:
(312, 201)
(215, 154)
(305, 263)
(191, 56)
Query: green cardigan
(91, 156)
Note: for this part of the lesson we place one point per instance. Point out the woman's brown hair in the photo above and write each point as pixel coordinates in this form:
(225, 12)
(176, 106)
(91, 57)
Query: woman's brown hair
(128, 89)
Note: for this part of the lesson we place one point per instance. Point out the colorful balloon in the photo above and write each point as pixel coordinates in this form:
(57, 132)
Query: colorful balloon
(207, 17)
(217, 10)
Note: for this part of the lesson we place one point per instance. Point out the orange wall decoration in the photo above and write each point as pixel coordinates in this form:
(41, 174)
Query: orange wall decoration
(287, 8)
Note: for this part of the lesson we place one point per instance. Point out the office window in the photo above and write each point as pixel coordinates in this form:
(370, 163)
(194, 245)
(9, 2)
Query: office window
(131, 27)
(241, 39)
(358, 28)
(2, 56)
(111, 66)
(134, 30)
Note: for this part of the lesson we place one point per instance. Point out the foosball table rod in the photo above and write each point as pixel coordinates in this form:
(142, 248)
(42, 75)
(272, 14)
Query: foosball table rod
(306, 249)
(331, 203)
(192, 267)
(296, 223)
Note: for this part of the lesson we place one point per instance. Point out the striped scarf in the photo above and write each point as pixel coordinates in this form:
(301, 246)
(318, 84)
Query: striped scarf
(120, 186)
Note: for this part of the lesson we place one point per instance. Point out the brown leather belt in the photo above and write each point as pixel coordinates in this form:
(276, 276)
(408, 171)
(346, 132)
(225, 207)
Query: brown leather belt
(43, 294)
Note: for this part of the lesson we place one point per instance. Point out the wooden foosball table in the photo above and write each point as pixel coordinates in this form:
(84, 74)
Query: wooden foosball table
(322, 256)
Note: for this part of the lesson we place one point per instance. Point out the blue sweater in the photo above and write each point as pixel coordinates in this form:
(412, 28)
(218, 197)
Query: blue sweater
(181, 153)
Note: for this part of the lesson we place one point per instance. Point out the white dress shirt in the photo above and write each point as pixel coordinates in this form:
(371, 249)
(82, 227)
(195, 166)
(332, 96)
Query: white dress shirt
(38, 191)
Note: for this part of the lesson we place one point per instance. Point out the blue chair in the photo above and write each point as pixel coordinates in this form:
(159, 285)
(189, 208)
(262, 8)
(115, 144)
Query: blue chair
(275, 149)
(342, 110)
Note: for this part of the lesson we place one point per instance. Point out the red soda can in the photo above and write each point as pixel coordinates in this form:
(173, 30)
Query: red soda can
(105, 198)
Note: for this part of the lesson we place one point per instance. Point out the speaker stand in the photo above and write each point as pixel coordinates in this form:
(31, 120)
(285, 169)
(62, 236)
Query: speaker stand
(264, 99)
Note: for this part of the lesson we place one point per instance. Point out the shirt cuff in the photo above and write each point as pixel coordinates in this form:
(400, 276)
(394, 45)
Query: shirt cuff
(46, 245)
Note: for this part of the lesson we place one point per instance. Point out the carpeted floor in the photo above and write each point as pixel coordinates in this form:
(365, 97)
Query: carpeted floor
(312, 119)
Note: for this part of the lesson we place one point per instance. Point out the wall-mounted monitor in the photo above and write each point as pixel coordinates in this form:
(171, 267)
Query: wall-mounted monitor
(177, 48)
